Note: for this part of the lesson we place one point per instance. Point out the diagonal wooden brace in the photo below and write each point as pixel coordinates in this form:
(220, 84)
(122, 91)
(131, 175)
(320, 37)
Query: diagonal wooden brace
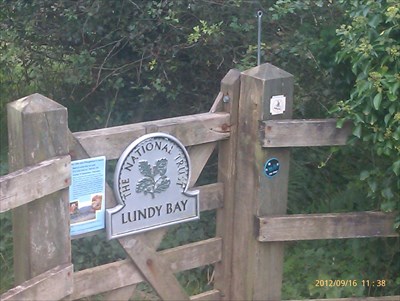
(142, 248)
(153, 267)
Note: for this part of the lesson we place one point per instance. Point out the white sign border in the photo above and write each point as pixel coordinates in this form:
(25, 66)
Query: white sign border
(120, 203)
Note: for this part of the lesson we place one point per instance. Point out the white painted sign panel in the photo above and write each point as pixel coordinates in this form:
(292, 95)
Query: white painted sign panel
(277, 104)
(150, 184)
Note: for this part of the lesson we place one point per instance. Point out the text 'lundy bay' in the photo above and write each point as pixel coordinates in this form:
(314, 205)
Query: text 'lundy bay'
(153, 211)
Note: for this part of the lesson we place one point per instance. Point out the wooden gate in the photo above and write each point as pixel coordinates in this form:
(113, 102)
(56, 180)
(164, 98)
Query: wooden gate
(251, 225)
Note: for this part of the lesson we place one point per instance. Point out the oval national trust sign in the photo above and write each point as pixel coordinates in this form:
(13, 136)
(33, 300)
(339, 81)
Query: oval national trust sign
(150, 184)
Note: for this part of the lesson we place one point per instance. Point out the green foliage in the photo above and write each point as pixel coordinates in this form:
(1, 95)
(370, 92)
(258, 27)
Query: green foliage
(356, 260)
(370, 44)
(326, 188)
(305, 44)
(204, 32)
(6, 252)
(115, 62)
(95, 250)
(197, 281)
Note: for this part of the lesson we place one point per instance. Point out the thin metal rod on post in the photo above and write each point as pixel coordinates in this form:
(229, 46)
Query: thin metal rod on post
(259, 15)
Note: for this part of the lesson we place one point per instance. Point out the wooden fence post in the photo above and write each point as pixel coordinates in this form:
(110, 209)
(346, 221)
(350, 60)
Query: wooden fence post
(38, 130)
(230, 87)
(257, 267)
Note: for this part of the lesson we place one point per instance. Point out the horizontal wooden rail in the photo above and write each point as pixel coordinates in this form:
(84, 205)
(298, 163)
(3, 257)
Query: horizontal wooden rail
(213, 295)
(33, 182)
(210, 198)
(190, 130)
(123, 273)
(54, 284)
(385, 298)
(303, 132)
(325, 226)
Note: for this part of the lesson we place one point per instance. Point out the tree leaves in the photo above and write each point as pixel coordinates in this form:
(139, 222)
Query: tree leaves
(163, 185)
(149, 184)
(377, 101)
(161, 166)
(145, 169)
(145, 185)
(370, 48)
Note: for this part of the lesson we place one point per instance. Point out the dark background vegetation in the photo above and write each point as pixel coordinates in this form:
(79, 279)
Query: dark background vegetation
(125, 61)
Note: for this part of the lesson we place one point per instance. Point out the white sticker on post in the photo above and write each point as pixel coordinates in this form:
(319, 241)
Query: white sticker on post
(277, 104)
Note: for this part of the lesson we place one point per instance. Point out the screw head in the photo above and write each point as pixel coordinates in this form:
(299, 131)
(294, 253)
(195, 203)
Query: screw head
(226, 98)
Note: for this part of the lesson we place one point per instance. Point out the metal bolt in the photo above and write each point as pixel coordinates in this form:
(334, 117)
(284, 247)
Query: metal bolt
(226, 99)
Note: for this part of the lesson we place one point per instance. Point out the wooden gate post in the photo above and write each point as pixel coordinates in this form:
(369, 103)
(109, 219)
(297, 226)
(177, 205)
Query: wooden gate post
(257, 267)
(37, 129)
(230, 88)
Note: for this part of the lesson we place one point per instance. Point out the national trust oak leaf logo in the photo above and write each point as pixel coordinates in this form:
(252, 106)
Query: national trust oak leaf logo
(150, 182)
(155, 180)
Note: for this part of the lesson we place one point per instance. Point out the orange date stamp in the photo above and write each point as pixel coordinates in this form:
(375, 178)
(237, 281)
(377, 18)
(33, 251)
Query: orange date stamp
(349, 282)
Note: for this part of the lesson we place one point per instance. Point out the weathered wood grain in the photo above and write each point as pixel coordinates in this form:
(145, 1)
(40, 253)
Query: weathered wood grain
(201, 153)
(230, 89)
(37, 128)
(218, 106)
(155, 269)
(325, 226)
(254, 264)
(52, 285)
(33, 182)
(120, 294)
(153, 238)
(123, 273)
(190, 130)
(199, 156)
(213, 295)
(44, 125)
(303, 132)
(211, 196)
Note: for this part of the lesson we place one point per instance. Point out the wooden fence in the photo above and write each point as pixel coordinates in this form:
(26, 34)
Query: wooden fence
(251, 223)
